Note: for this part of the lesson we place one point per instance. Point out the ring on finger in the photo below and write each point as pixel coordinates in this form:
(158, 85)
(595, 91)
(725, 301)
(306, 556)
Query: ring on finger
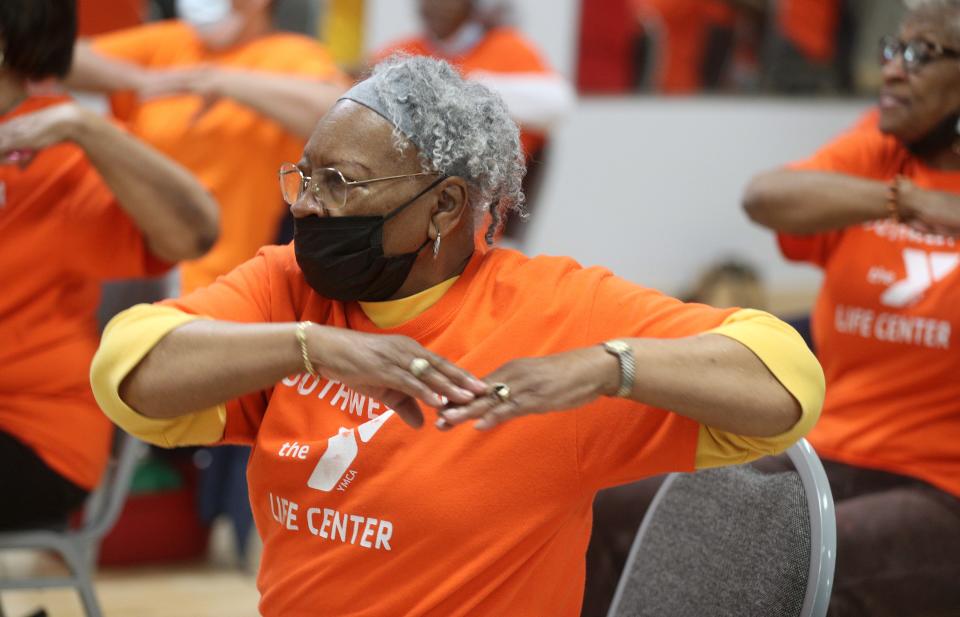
(419, 366)
(501, 392)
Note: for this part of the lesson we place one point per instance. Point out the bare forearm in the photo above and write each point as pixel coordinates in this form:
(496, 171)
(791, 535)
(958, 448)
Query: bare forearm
(805, 202)
(294, 102)
(205, 363)
(94, 72)
(176, 214)
(714, 380)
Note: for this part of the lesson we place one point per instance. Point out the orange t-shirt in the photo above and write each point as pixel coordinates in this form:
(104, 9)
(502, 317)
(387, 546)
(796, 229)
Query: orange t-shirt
(234, 151)
(63, 233)
(811, 25)
(502, 50)
(885, 325)
(361, 515)
(686, 24)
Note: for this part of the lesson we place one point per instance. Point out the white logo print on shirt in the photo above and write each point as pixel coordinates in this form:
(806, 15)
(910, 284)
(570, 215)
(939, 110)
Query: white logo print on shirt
(341, 451)
(923, 270)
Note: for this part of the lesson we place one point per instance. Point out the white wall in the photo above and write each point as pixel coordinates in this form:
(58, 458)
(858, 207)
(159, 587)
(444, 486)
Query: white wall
(551, 24)
(651, 187)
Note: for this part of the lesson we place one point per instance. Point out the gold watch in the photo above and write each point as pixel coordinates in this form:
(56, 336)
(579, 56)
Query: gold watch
(628, 365)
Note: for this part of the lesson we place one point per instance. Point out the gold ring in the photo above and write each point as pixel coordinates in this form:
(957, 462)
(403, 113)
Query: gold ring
(501, 392)
(419, 366)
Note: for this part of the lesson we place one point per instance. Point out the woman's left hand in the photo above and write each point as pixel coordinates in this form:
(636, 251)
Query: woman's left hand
(38, 130)
(539, 385)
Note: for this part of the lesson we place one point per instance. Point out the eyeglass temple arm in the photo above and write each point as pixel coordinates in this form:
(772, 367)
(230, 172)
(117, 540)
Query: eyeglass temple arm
(372, 180)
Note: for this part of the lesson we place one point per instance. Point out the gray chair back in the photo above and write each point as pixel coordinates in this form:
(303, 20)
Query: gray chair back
(78, 547)
(734, 542)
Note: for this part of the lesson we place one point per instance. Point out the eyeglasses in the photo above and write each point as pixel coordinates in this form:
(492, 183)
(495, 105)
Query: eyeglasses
(327, 185)
(917, 53)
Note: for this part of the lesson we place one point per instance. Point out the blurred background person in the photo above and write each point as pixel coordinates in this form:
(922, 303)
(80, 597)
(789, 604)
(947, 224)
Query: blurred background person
(80, 201)
(730, 283)
(686, 46)
(471, 37)
(227, 96)
(878, 210)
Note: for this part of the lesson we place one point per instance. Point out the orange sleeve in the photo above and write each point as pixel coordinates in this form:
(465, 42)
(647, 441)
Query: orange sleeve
(304, 57)
(143, 45)
(243, 295)
(107, 242)
(507, 51)
(863, 151)
(625, 309)
(411, 47)
(619, 440)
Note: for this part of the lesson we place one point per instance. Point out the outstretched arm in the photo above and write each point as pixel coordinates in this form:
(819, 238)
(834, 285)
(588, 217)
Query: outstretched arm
(807, 202)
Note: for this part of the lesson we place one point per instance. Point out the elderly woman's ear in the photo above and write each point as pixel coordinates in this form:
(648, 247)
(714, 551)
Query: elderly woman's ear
(451, 205)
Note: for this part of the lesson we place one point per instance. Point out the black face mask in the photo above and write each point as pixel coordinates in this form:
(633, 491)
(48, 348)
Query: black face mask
(342, 256)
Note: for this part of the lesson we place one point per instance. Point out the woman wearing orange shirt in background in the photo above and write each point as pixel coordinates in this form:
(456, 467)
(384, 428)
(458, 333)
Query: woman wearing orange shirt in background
(312, 351)
(225, 95)
(499, 57)
(879, 210)
(80, 202)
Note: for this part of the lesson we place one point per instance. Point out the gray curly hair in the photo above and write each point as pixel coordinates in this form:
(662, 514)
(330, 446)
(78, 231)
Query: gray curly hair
(461, 128)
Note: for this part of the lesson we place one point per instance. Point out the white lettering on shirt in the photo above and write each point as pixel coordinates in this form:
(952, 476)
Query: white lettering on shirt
(334, 526)
(347, 399)
(892, 327)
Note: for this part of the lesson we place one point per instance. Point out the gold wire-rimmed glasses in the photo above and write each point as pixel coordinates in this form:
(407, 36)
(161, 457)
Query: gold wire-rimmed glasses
(327, 185)
(917, 53)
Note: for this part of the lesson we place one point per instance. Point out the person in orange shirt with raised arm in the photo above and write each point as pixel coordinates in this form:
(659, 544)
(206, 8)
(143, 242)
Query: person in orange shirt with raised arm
(878, 210)
(81, 201)
(226, 96)
(500, 57)
(322, 352)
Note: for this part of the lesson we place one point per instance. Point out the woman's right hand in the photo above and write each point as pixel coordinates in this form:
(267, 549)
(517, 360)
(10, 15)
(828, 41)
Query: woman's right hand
(379, 366)
(931, 212)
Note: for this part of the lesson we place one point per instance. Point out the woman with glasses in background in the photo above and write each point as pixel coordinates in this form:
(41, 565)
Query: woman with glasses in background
(879, 211)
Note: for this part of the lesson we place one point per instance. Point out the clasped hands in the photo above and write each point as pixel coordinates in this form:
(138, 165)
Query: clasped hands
(380, 366)
(210, 83)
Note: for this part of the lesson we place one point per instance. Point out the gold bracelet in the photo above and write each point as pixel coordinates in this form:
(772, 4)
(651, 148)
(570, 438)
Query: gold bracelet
(302, 339)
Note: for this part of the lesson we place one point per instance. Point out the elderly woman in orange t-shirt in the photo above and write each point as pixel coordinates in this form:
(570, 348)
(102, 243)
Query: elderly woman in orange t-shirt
(383, 302)
(879, 211)
(80, 202)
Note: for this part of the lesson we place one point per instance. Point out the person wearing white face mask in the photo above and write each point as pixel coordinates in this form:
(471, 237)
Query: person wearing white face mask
(225, 95)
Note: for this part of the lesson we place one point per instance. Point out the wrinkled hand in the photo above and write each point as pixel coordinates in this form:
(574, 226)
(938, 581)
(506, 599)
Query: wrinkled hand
(930, 212)
(379, 366)
(23, 136)
(539, 385)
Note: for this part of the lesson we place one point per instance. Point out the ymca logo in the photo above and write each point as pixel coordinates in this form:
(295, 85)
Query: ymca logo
(923, 270)
(342, 450)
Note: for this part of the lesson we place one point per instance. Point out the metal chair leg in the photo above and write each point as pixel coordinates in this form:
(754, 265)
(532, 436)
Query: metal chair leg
(88, 596)
(77, 558)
